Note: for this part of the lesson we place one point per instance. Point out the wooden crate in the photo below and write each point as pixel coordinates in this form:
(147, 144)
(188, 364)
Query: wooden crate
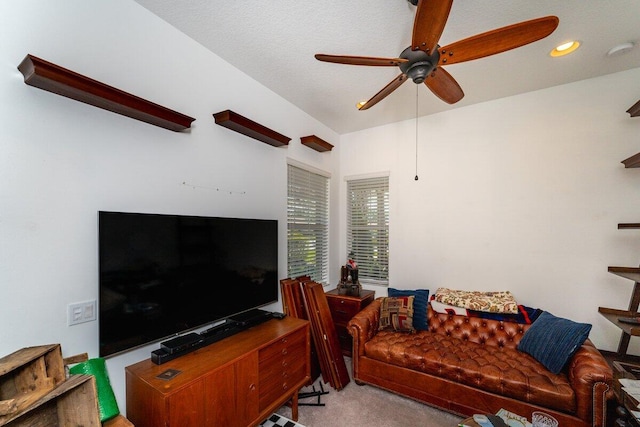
(72, 403)
(28, 374)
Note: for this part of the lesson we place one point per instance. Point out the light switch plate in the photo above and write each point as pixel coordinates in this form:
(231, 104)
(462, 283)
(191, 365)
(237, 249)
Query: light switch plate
(81, 312)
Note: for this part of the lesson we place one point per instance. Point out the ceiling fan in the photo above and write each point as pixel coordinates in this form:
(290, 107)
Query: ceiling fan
(423, 61)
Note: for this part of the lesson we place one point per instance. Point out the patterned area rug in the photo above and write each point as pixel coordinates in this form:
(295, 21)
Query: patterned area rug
(277, 420)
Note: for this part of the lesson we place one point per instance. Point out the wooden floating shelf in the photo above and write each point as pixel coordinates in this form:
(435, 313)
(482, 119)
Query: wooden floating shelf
(632, 162)
(240, 124)
(628, 225)
(632, 273)
(613, 315)
(634, 111)
(316, 143)
(53, 78)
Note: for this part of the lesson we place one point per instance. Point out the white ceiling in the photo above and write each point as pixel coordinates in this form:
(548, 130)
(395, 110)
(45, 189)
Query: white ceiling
(274, 42)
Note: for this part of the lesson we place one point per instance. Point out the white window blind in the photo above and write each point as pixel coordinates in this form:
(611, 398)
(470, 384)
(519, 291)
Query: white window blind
(307, 224)
(368, 227)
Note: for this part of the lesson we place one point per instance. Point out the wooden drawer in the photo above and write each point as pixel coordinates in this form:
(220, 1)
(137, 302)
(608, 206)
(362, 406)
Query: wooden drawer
(275, 385)
(281, 367)
(290, 344)
(342, 310)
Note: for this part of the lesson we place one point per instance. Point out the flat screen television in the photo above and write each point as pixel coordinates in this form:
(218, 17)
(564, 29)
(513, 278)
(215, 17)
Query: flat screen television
(162, 275)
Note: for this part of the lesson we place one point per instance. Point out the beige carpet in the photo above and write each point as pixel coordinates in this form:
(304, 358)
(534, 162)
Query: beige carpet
(358, 406)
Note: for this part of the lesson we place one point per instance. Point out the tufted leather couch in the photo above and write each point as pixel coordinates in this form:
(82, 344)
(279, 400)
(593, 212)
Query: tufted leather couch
(469, 365)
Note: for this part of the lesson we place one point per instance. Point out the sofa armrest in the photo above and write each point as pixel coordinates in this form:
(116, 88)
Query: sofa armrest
(364, 326)
(591, 378)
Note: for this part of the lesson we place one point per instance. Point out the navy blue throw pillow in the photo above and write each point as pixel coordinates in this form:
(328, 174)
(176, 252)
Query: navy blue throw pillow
(420, 302)
(553, 340)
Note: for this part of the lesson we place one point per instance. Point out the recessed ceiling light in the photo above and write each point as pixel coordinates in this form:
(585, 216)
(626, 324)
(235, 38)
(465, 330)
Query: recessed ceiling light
(565, 48)
(620, 49)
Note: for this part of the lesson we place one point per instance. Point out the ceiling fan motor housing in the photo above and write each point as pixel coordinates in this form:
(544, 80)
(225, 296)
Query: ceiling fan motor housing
(419, 64)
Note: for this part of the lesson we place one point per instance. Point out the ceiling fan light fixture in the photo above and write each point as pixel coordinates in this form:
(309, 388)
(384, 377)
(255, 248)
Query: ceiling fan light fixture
(565, 48)
(361, 104)
(419, 72)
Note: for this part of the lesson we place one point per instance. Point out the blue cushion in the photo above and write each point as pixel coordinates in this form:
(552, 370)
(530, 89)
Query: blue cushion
(553, 340)
(420, 303)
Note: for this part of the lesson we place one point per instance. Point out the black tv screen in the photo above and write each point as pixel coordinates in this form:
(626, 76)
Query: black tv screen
(161, 275)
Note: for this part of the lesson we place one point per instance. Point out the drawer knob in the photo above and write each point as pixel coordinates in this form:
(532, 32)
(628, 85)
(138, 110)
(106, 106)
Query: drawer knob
(285, 351)
(252, 387)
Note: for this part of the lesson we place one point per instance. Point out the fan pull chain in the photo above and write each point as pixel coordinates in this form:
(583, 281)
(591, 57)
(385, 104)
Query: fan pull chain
(416, 178)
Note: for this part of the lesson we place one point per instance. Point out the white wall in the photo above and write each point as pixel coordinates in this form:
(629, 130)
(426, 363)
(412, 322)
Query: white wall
(61, 161)
(521, 194)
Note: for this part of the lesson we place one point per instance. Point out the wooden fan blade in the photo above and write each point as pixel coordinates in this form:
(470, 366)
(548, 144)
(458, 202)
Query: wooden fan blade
(360, 60)
(429, 23)
(498, 40)
(393, 85)
(444, 86)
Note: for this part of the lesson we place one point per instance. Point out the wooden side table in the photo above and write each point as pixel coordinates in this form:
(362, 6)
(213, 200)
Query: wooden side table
(626, 403)
(343, 308)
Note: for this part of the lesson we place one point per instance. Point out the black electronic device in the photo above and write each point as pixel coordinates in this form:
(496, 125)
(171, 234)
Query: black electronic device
(214, 334)
(496, 421)
(630, 320)
(251, 317)
(160, 356)
(228, 325)
(181, 343)
(278, 315)
(163, 275)
(223, 330)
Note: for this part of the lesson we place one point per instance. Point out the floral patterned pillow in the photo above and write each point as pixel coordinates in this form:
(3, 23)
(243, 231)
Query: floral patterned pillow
(492, 302)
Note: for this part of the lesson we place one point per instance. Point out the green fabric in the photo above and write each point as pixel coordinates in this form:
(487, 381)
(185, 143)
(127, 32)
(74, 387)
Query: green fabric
(107, 405)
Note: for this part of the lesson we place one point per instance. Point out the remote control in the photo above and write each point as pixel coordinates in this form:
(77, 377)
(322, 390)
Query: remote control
(277, 315)
(631, 320)
(496, 421)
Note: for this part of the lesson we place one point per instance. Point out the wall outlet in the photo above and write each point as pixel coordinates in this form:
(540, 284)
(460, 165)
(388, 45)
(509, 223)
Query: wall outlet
(81, 312)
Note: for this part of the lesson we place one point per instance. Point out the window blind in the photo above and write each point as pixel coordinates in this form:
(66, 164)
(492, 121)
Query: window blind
(368, 227)
(307, 224)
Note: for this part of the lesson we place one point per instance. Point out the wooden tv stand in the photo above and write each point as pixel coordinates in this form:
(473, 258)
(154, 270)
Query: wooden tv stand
(238, 381)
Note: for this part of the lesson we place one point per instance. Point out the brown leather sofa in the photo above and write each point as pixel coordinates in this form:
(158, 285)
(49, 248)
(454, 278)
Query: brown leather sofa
(470, 365)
